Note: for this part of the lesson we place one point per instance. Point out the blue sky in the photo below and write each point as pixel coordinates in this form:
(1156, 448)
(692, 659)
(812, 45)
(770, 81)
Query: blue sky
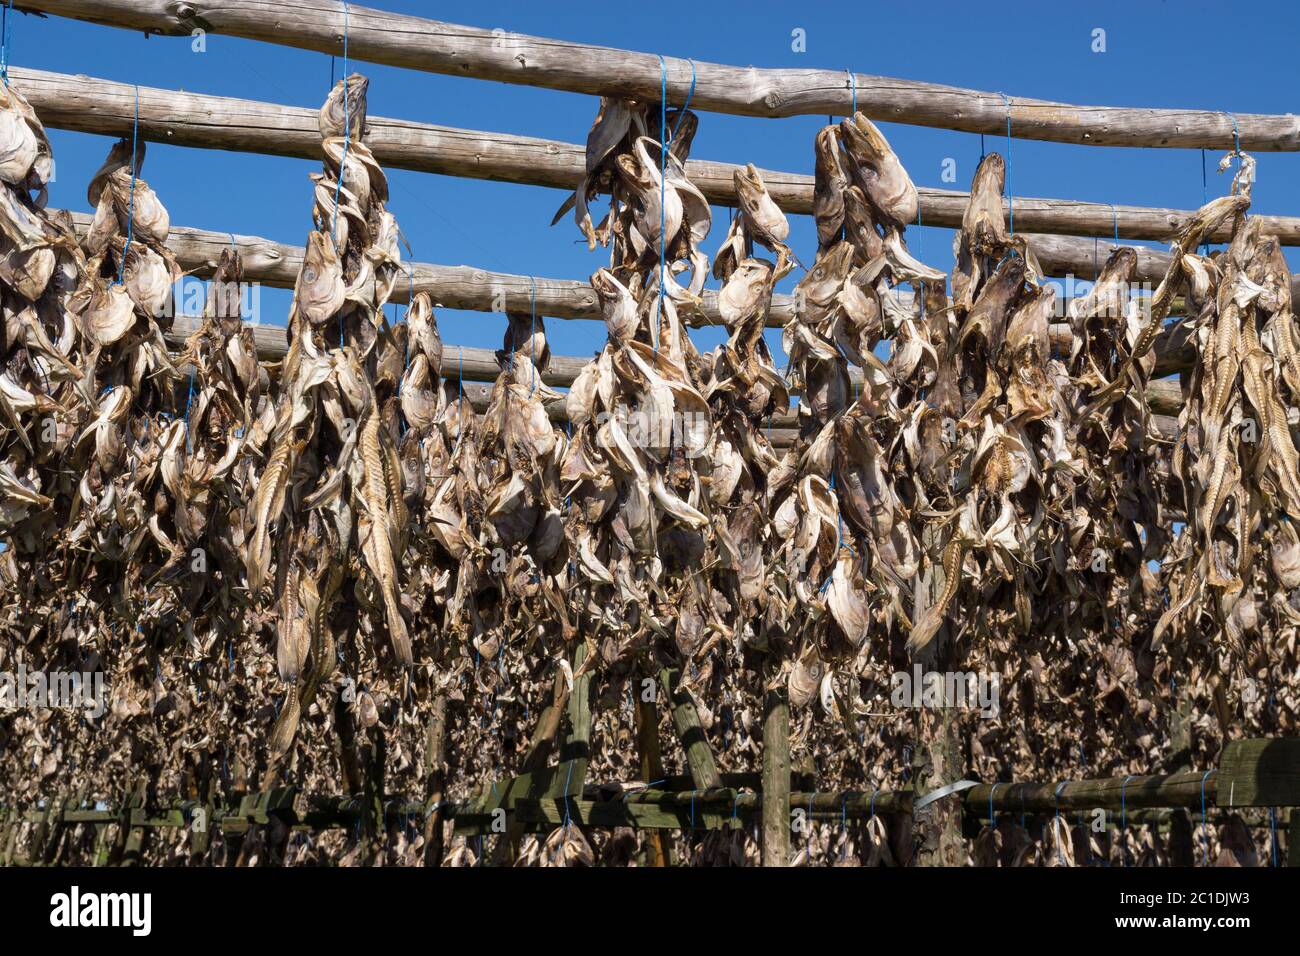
(1184, 54)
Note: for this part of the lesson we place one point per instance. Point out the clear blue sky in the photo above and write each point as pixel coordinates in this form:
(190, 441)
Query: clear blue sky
(1173, 54)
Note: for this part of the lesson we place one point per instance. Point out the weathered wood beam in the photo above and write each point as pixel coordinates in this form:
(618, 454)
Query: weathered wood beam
(658, 851)
(1114, 793)
(418, 43)
(435, 779)
(276, 265)
(1260, 773)
(695, 742)
(776, 777)
(91, 105)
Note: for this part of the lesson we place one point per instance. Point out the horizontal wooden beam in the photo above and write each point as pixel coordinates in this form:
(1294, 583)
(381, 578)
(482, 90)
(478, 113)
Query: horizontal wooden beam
(91, 105)
(418, 43)
(1114, 793)
(465, 287)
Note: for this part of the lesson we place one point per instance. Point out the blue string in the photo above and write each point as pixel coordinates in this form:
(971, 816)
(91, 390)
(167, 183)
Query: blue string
(130, 213)
(1205, 195)
(1060, 854)
(853, 86)
(663, 168)
(685, 106)
(1123, 821)
(1236, 137)
(844, 825)
(1114, 218)
(1011, 202)
(992, 820)
(347, 129)
(4, 42)
(189, 443)
(1272, 827)
(533, 333)
(460, 390)
(1205, 859)
(347, 136)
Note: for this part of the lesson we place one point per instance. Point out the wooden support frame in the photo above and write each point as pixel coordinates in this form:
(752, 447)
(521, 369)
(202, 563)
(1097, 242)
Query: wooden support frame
(401, 40)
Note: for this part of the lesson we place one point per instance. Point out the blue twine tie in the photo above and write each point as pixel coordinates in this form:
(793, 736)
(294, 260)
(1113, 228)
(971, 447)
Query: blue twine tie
(189, 442)
(1011, 201)
(1236, 136)
(1272, 827)
(347, 136)
(130, 212)
(1123, 821)
(853, 87)
(532, 335)
(685, 106)
(663, 166)
(1205, 859)
(1060, 854)
(460, 390)
(4, 42)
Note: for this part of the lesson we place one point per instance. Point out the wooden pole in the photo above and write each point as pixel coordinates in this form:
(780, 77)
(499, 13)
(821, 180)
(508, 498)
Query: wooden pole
(686, 720)
(657, 848)
(92, 105)
(1134, 793)
(776, 777)
(434, 781)
(418, 43)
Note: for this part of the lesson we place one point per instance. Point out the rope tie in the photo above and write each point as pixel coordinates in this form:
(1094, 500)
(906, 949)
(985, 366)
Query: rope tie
(1205, 858)
(1272, 826)
(1011, 202)
(853, 88)
(347, 136)
(1236, 136)
(4, 42)
(1123, 821)
(130, 213)
(189, 402)
(347, 129)
(1060, 854)
(532, 335)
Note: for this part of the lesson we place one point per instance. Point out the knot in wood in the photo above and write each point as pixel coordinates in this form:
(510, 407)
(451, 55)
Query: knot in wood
(773, 99)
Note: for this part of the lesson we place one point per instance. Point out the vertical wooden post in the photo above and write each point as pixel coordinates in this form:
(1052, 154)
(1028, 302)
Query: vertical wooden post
(8, 825)
(1181, 843)
(539, 751)
(434, 781)
(686, 720)
(135, 836)
(937, 757)
(657, 850)
(776, 778)
(936, 828)
(201, 840)
(373, 824)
